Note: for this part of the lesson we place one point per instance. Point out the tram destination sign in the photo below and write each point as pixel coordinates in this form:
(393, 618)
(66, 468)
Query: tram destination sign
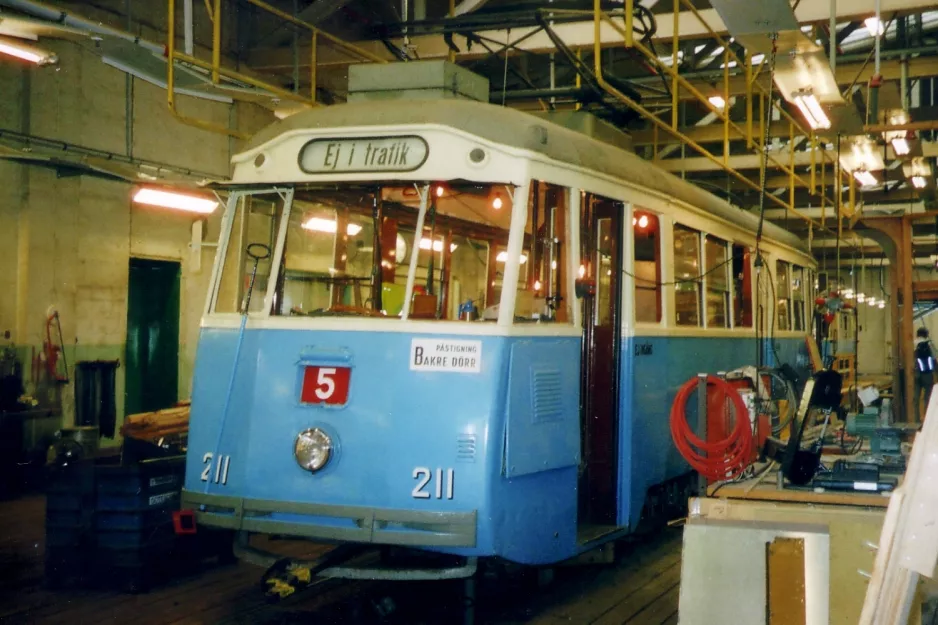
(369, 154)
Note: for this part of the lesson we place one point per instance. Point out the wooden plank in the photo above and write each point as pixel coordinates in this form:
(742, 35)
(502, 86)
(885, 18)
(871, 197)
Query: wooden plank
(659, 612)
(769, 492)
(786, 581)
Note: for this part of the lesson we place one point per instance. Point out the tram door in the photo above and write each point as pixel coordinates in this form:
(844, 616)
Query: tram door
(600, 253)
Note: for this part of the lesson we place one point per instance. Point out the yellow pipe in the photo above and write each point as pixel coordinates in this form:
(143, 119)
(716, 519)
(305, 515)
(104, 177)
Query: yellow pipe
(452, 13)
(726, 108)
(629, 35)
(852, 195)
(635, 106)
(216, 42)
(208, 7)
(813, 186)
(749, 142)
(171, 84)
(675, 89)
(364, 54)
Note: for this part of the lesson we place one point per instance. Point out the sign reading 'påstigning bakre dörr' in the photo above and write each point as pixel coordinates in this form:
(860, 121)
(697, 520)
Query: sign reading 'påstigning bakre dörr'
(371, 154)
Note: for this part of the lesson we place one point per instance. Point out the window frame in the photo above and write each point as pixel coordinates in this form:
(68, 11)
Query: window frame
(798, 306)
(727, 293)
(657, 288)
(695, 280)
(779, 262)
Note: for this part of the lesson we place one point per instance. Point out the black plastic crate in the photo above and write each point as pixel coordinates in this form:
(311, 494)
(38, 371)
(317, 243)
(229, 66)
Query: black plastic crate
(68, 518)
(151, 537)
(74, 479)
(158, 475)
(108, 520)
(66, 564)
(138, 502)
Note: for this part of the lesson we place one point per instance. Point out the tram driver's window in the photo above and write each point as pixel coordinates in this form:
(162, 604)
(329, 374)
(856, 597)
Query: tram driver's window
(686, 276)
(253, 234)
(742, 286)
(543, 290)
(647, 266)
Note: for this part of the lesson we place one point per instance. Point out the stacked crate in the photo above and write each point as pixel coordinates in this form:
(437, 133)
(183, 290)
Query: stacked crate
(133, 526)
(70, 502)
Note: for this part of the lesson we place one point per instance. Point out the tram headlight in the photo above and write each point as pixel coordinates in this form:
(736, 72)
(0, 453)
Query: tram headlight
(312, 449)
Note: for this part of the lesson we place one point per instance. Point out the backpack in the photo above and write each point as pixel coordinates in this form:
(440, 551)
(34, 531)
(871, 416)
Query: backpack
(924, 361)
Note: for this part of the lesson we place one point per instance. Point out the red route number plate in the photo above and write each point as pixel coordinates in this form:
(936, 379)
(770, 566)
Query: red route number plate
(325, 385)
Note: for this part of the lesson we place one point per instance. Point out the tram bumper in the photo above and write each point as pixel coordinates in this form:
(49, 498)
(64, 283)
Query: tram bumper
(416, 528)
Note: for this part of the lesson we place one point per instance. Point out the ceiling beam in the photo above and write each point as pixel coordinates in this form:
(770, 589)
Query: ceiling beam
(580, 34)
(741, 161)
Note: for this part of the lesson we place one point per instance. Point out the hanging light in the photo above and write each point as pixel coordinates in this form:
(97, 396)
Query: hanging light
(809, 106)
(437, 245)
(503, 256)
(861, 298)
(919, 182)
(875, 26)
(881, 303)
(717, 101)
(900, 145)
(13, 47)
(865, 178)
(174, 200)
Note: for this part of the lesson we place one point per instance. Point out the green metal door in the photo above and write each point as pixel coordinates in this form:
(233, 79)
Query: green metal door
(152, 358)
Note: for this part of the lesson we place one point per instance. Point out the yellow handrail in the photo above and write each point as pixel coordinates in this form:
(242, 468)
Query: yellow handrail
(217, 71)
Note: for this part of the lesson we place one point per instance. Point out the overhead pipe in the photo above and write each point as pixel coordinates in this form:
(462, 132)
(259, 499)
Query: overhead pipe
(931, 124)
(58, 16)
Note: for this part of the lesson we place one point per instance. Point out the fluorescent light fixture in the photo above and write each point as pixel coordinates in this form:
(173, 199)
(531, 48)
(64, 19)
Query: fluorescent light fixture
(12, 47)
(717, 101)
(881, 304)
(875, 26)
(437, 245)
(172, 199)
(865, 178)
(319, 224)
(919, 182)
(809, 106)
(503, 256)
(861, 297)
(901, 146)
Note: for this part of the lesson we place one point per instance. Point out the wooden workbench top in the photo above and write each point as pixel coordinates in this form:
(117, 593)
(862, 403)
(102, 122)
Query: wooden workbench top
(768, 491)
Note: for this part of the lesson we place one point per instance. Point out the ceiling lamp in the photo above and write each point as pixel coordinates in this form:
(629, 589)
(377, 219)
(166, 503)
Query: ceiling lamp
(809, 106)
(12, 47)
(172, 199)
(717, 101)
(875, 26)
(881, 303)
(865, 178)
(919, 182)
(900, 146)
(318, 224)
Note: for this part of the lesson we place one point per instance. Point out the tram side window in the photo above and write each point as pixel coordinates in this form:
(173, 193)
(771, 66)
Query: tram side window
(742, 286)
(717, 280)
(253, 231)
(783, 292)
(798, 290)
(647, 266)
(686, 276)
(543, 292)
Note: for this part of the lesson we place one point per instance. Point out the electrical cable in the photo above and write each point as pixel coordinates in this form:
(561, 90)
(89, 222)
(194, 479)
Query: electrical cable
(719, 459)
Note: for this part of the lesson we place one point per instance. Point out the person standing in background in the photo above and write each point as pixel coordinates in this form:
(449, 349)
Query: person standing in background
(924, 370)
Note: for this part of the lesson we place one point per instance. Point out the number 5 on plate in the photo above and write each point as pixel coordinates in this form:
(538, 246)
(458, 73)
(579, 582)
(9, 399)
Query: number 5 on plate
(325, 385)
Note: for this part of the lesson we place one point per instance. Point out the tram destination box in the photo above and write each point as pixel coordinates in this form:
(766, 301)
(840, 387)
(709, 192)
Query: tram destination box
(417, 80)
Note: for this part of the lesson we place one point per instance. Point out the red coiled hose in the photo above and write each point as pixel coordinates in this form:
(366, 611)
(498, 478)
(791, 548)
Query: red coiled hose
(718, 460)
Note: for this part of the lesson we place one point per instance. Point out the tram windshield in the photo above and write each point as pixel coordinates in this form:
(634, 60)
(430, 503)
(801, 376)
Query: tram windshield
(348, 248)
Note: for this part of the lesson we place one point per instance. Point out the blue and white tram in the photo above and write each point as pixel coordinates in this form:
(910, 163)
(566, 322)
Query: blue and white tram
(396, 348)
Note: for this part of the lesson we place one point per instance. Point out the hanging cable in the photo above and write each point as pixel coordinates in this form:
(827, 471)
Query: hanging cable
(718, 460)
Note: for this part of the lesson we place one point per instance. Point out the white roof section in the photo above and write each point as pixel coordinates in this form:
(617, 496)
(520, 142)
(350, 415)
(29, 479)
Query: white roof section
(517, 129)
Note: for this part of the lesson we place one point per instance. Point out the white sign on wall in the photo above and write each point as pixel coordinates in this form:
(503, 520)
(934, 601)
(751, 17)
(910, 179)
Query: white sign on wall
(372, 154)
(446, 355)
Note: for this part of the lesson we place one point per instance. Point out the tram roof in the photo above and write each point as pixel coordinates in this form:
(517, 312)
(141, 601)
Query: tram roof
(511, 127)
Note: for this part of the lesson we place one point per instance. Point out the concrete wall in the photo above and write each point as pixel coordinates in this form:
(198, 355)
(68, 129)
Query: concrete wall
(67, 241)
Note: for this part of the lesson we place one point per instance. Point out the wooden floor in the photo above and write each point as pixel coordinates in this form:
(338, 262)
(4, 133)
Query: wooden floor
(640, 589)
